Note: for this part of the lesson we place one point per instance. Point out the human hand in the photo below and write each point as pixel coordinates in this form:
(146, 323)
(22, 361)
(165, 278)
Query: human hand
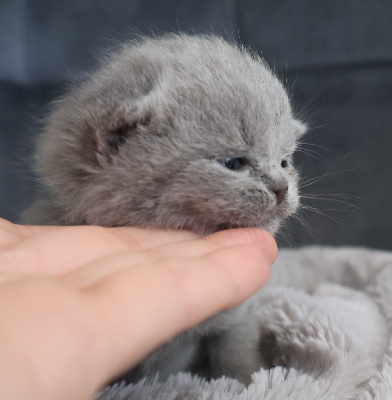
(80, 305)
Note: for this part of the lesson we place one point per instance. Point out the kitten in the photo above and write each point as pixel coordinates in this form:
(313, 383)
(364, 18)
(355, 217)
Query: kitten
(175, 133)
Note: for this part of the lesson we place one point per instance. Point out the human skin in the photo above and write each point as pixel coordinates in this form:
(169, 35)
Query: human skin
(80, 305)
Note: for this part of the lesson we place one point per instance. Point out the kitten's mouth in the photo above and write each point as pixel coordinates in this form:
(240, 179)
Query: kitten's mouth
(223, 227)
(271, 226)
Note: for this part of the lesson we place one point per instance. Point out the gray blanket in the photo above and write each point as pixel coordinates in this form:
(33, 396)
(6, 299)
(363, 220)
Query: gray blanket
(320, 329)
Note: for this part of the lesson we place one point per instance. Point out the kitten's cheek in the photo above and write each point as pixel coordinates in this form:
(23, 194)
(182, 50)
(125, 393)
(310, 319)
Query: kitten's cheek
(294, 203)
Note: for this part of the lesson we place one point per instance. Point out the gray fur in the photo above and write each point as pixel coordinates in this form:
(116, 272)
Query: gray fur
(137, 144)
(170, 108)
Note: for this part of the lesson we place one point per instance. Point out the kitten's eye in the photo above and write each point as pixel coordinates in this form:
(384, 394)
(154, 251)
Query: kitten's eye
(284, 164)
(232, 163)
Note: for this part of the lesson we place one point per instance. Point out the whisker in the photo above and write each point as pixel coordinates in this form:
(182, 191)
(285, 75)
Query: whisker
(333, 195)
(338, 221)
(306, 225)
(290, 89)
(336, 200)
(310, 153)
(322, 212)
(285, 234)
(328, 173)
(302, 142)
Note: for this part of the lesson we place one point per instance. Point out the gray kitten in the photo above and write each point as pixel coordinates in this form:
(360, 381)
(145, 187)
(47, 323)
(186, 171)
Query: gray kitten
(175, 133)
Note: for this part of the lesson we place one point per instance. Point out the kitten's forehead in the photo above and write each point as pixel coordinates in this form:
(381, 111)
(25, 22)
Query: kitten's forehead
(230, 96)
(196, 92)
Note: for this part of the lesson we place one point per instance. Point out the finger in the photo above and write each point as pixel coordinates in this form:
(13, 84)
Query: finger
(60, 250)
(93, 272)
(11, 233)
(225, 238)
(97, 270)
(250, 236)
(180, 294)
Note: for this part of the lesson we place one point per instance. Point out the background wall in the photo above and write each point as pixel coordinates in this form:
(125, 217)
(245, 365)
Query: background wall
(335, 57)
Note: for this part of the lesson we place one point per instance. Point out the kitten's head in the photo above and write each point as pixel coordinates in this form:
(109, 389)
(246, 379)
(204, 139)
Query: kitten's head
(181, 132)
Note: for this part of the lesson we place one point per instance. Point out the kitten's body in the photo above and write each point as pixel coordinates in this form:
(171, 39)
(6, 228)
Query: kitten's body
(178, 133)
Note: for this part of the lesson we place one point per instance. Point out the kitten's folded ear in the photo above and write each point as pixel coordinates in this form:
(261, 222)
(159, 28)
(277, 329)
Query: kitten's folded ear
(300, 128)
(117, 126)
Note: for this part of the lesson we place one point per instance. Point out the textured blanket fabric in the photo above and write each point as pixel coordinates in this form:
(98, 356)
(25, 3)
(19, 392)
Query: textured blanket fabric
(321, 329)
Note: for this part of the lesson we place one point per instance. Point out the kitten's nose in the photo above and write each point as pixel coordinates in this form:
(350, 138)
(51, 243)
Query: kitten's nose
(280, 193)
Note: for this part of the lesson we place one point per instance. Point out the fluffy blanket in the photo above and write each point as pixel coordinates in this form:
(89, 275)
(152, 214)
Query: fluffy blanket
(321, 329)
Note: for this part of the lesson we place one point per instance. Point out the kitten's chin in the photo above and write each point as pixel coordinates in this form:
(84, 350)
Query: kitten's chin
(271, 227)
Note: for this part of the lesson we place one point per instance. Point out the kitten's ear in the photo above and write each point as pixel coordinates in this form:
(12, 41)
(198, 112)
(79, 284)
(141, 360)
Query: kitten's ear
(117, 126)
(300, 128)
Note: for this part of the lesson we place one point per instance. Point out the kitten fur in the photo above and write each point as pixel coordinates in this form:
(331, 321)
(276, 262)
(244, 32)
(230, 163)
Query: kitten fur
(138, 144)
